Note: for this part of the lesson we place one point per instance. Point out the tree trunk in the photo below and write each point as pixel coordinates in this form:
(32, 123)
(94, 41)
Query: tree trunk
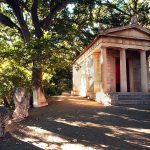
(39, 99)
(21, 101)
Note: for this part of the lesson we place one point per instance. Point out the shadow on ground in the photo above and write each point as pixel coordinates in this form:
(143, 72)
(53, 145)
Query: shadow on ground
(74, 123)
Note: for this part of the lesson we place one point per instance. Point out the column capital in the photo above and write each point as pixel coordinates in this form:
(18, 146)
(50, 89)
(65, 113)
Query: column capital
(103, 50)
(103, 47)
(142, 51)
(122, 49)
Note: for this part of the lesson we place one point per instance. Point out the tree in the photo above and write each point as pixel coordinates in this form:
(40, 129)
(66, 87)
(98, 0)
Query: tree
(121, 11)
(30, 19)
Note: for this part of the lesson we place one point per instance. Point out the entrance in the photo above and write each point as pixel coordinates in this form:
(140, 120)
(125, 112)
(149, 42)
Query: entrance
(118, 75)
(128, 79)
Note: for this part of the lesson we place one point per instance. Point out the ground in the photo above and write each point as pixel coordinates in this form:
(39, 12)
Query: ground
(75, 123)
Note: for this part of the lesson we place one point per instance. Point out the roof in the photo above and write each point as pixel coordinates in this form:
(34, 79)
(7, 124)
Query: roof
(113, 30)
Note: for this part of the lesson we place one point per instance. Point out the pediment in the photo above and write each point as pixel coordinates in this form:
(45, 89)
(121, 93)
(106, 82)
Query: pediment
(129, 31)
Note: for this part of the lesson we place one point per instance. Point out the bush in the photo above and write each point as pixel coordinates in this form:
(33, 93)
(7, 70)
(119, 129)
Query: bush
(12, 76)
(59, 82)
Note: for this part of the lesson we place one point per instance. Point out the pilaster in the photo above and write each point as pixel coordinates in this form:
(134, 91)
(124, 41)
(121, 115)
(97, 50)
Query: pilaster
(104, 68)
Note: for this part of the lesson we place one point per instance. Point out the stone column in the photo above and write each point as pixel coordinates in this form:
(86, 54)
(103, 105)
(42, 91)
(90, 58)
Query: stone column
(96, 71)
(131, 78)
(104, 67)
(144, 86)
(123, 71)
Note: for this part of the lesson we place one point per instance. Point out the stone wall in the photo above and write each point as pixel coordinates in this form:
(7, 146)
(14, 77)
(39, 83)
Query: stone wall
(83, 77)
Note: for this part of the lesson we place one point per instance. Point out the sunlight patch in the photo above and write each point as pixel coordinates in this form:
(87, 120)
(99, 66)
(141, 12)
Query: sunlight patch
(47, 140)
(111, 135)
(137, 143)
(71, 99)
(75, 147)
(106, 114)
(40, 138)
(77, 123)
(147, 131)
(138, 109)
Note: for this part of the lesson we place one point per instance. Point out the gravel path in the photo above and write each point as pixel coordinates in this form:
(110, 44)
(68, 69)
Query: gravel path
(75, 123)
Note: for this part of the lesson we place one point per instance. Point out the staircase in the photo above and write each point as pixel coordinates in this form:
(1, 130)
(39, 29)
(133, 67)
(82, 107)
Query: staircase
(137, 98)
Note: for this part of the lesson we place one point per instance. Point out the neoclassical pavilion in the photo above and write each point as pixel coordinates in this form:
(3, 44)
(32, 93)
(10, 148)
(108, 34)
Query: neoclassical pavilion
(115, 67)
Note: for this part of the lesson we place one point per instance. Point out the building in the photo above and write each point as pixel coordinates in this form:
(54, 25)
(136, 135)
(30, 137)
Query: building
(115, 67)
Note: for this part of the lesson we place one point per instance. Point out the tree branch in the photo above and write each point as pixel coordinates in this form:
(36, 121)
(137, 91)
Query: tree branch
(35, 19)
(19, 14)
(127, 6)
(7, 22)
(115, 7)
(53, 11)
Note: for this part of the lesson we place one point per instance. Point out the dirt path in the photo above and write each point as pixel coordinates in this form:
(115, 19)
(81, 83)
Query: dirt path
(74, 123)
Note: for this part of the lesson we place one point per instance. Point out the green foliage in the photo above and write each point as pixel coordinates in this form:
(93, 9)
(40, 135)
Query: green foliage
(17, 62)
(11, 76)
(60, 81)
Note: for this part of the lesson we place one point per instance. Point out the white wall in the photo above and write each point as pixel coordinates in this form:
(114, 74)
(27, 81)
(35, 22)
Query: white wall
(83, 77)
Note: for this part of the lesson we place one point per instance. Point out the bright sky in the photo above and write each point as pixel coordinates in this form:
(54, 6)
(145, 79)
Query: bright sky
(70, 7)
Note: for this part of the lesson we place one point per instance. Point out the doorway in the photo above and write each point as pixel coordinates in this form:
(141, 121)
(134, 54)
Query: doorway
(117, 63)
(128, 76)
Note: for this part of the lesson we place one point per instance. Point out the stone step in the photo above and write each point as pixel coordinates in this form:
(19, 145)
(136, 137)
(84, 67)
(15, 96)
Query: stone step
(130, 98)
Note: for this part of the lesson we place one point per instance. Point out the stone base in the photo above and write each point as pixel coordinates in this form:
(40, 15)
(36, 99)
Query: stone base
(103, 98)
(130, 98)
(41, 104)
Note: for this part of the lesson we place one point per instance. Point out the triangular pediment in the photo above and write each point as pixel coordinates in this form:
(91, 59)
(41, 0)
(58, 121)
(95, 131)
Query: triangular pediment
(129, 31)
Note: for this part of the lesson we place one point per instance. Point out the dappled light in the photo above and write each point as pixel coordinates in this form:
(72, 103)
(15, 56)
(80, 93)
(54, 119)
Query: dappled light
(76, 100)
(84, 102)
(135, 133)
(137, 109)
(77, 123)
(140, 130)
(71, 99)
(75, 147)
(47, 140)
(39, 137)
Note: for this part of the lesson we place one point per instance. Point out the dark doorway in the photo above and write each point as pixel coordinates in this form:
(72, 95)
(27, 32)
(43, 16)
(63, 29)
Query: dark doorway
(117, 75)
(128, 76)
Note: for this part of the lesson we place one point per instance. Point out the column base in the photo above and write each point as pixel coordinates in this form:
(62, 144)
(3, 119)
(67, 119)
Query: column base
(40, 104)
(103, 98)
